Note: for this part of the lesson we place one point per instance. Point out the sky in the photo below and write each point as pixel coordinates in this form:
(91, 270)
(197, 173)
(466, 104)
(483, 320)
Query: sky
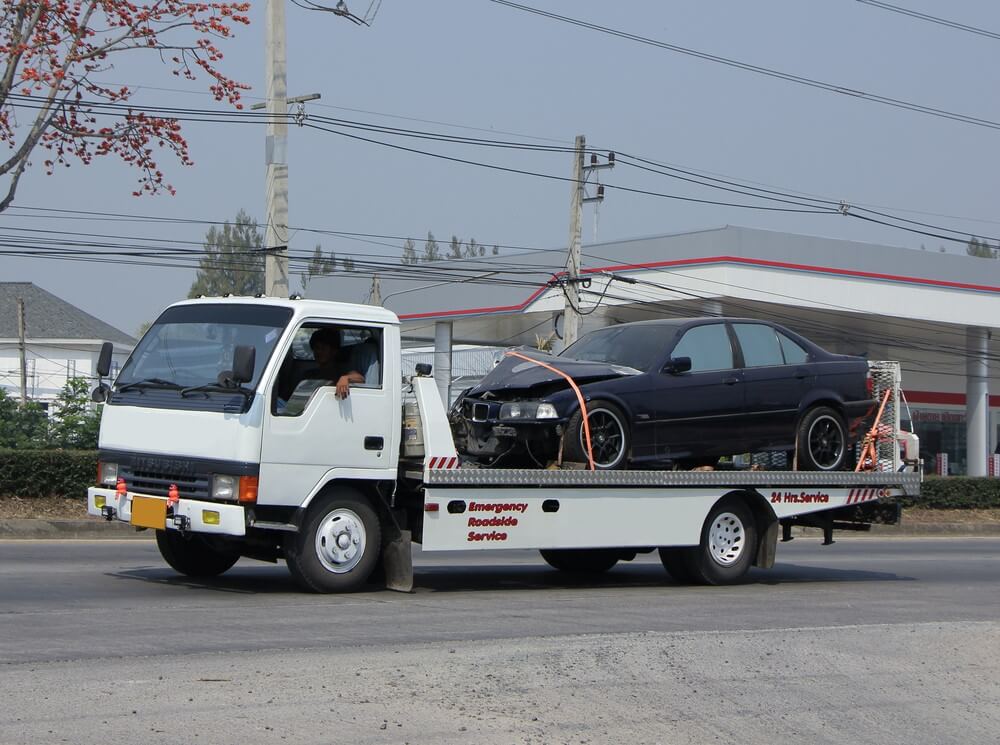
(476, 68)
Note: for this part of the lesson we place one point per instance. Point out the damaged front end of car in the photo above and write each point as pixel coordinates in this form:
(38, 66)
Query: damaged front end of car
(516, 416)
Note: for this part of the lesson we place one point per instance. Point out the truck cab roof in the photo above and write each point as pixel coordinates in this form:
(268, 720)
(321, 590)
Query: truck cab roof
(303, 308)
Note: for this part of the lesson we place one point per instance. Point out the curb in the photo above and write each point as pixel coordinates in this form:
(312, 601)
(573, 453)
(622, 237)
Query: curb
(35, 528)
(95, 529)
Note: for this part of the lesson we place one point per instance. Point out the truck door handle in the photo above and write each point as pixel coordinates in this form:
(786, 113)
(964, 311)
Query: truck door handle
(374, 443)
(731, 380)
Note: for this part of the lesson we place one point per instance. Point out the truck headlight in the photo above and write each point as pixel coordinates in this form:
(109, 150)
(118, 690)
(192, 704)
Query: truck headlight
(528, 410)
(107, 473)
(224, 487)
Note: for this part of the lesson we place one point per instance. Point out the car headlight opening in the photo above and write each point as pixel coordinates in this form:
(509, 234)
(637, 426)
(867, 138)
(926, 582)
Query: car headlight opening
(522, 410)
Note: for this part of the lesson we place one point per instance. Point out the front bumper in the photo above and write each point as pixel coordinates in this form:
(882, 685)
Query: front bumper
(192, 515)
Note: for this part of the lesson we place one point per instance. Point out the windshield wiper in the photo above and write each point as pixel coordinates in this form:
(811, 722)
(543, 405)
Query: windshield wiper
(150, 383)
(217, 388)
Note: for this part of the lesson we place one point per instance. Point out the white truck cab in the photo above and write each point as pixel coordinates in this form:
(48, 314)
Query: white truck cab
(226, 434)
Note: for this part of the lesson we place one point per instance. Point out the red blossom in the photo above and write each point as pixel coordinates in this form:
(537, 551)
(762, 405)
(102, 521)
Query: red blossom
(55, 49)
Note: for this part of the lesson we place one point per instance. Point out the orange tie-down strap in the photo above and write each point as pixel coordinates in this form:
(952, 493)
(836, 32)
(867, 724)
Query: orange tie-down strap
(579, 397)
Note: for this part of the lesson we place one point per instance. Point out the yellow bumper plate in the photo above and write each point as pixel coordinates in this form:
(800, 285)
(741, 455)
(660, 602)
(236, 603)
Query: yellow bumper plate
(148, 512)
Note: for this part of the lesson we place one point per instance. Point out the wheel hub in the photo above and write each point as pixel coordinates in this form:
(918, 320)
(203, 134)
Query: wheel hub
(726, 539)
(340, 541)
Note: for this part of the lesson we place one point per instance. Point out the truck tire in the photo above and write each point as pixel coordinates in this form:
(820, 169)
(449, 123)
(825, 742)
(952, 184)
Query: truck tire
(338, 544)
(677, 563)
(728, 544)
(822, 439)
(581, 560)
(195, 555)
(609, 436)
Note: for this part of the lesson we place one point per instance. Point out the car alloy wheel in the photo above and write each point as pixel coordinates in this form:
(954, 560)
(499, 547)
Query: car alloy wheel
(608, 440)
(825, 440)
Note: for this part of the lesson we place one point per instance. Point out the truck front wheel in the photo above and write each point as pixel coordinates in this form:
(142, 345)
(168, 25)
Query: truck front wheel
(337, 546)
(195, 555)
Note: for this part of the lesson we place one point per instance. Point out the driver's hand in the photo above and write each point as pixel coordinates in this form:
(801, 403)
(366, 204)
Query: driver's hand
(343, 387)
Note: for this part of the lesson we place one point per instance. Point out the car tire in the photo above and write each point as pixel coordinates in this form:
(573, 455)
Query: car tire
(677, 563)
(338, 544)
(822, 440)
(581, 560)
(728, 545)
(609, 435)
(195, 555)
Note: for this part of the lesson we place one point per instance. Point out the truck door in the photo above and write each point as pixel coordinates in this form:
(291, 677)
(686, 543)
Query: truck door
(309, 430)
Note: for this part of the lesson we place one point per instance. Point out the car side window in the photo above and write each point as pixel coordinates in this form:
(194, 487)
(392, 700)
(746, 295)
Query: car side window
(794, 354)
(759, 344)
(708, 347)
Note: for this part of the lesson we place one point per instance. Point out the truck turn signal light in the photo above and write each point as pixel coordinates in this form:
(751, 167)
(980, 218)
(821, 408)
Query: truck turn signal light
(248, 489)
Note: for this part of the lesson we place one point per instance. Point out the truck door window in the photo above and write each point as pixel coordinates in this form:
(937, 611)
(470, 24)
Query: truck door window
(318, 356)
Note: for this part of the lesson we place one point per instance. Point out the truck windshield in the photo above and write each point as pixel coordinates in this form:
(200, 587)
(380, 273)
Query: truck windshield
(189, 345)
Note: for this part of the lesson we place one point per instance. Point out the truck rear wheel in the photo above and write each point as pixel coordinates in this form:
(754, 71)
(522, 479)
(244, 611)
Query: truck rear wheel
(728, 544)
(195, 555)
(581, 560)
(337, 546)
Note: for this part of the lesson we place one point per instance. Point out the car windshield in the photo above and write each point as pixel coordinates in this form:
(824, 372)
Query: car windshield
(189, 345)
(631, 346)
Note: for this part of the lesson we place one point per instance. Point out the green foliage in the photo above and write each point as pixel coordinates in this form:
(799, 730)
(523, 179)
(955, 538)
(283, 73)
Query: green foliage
(47, 473)
(956, 493)
(76, 422)
(431, 250)
(409, 252)
(73, 421)
(233, 261)
(981, 248)
(318, 266)
(455, 248)
(21, 427)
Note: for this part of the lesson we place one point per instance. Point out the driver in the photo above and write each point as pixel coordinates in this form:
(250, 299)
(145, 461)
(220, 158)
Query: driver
(325, 345)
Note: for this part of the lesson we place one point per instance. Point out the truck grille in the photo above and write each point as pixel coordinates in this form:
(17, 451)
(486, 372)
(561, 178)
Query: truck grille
(157, 483)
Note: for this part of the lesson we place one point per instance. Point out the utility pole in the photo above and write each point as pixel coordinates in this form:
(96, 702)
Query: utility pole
(376, 291)
(578, 197)
(276, 149)
(22, 351)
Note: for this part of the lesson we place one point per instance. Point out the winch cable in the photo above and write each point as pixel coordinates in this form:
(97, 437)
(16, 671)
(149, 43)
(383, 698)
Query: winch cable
(579, 398)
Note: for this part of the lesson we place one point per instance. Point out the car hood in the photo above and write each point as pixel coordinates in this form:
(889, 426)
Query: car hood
(516, 374)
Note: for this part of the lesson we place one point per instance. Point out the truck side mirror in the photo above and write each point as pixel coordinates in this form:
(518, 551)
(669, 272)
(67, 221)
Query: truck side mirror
(244, 359)
(677, 365)
(104, 359)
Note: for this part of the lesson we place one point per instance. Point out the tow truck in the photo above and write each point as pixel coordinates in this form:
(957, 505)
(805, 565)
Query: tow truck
(215, 436)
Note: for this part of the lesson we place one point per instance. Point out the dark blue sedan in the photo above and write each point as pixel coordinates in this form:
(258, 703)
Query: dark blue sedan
(678, 392)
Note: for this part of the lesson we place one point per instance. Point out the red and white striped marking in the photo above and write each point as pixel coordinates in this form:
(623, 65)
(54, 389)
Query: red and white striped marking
(864, 495)
(445, 462)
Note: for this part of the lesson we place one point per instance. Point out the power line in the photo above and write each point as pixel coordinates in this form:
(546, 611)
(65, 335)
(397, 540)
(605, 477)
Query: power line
(932, 19)
(768, 72)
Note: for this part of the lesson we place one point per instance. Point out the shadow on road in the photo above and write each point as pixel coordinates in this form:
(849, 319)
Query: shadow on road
(268, 580)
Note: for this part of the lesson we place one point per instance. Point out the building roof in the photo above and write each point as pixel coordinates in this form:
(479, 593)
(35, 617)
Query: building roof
(49, 317)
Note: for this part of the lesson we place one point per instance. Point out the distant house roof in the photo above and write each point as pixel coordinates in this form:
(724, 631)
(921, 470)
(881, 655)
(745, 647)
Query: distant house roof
(49, 317)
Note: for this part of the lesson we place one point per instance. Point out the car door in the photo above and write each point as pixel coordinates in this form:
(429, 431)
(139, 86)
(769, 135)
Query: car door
(696, 411)
(313, 432)
(773, 384)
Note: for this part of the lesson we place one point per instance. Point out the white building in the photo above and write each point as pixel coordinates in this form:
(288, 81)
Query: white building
(61, 342)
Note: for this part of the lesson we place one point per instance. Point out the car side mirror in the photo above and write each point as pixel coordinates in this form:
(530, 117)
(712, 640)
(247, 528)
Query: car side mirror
(677, 365)
(244, 360)
(104, 359)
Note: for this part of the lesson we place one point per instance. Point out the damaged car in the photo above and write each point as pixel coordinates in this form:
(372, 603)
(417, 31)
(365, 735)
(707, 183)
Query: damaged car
(668, 393)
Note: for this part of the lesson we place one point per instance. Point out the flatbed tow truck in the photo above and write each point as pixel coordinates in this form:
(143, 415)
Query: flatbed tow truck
(338, 488)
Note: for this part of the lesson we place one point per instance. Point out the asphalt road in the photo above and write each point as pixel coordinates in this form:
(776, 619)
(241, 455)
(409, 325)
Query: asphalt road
(869, 640)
